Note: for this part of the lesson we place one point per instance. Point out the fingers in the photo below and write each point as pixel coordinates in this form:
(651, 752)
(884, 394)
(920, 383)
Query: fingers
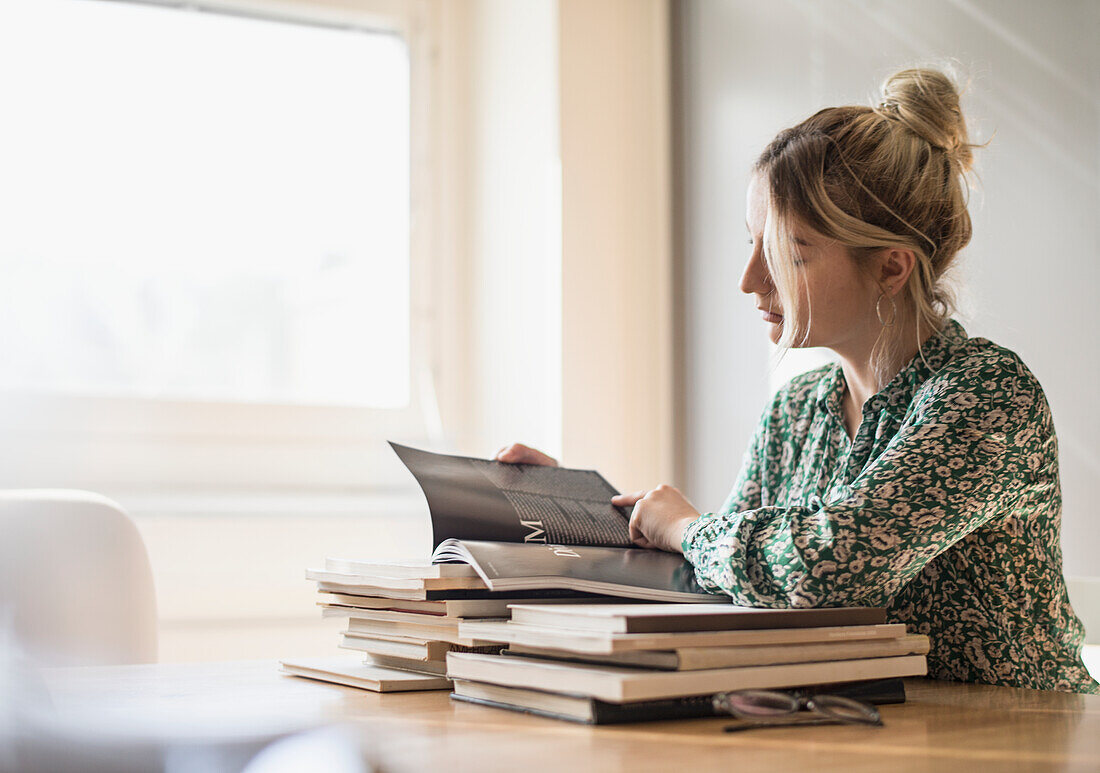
(658, 518)
(626, 500)
(636, 535)
(633, 526)
(638, 538)
(517, 453)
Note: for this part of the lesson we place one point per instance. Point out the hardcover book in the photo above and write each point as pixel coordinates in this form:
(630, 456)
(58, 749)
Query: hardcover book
(624, 685)
(667, 618)
(408, 568)
(579, 708)
(599, 643)
(464, 608)
(701, 658)
(369, 583)
(354, 673)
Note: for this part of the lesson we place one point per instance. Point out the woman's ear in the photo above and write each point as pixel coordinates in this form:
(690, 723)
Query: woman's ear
(895, 266)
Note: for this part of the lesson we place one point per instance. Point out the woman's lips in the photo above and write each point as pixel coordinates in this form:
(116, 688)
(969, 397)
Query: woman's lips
(771, 317)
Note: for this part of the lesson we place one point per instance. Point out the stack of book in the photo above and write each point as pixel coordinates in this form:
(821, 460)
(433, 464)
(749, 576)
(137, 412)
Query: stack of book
(544, 544)
(624, 663)
(403, 618)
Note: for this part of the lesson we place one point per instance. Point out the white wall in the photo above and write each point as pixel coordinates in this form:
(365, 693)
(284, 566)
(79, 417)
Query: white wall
(498, 220)
(515, 198)
(617, 397)
(557, 221)
(748, 69)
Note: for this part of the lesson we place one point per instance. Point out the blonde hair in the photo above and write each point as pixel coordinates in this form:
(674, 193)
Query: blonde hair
(873, 178)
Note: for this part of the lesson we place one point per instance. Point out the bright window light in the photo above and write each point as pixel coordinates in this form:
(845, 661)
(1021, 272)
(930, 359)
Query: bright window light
(204, 207)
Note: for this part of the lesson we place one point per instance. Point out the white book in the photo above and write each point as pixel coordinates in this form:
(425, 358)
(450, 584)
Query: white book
(407, 647)
(466, 608)
(699, 658)
(623, 685)
(369, 581)
(402, 594)
(434, 667)
(352, 672)
(390, 628)
(408, 568)
(390, 615)
(598, 643)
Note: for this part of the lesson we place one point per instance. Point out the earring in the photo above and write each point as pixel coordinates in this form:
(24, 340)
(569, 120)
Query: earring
(893, 310)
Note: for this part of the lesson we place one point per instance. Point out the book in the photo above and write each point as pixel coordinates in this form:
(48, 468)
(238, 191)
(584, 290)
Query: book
(594, 642)
(369, 583)
(480, 499)
(667, 618)
(353, 673)
(446, 633)
(406, 568)
(650, 575)
(435, 667)
(419, 594)
(578, 708)
(623, 685)
(355, 601)
(699, 658)
(355, 614)
(464, 608)
(408, 647)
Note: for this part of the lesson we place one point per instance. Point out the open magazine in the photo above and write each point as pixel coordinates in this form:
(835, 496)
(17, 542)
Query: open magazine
(479, 499)
(634, 573)
(525, 527)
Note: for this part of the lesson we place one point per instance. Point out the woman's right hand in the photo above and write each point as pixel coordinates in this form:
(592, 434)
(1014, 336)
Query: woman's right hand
(517, 453)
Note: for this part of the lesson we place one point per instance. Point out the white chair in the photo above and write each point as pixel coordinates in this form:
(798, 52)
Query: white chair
(75, 583)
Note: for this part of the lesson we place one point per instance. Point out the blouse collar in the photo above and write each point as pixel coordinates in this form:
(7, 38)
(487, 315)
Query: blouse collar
(898, 393)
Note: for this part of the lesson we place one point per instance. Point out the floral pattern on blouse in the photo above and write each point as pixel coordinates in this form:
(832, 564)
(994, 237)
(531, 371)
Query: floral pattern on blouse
(945, 508)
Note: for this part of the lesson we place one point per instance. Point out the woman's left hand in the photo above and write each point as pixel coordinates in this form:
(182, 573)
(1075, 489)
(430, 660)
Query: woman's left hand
(659, 518)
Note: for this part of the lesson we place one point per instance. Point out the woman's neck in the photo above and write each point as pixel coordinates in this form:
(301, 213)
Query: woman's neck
(864, 380)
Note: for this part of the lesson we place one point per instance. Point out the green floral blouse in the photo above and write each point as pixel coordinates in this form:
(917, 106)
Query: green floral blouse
(945, 509)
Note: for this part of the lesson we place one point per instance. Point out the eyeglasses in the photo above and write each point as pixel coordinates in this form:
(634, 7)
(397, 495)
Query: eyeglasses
(767, 708)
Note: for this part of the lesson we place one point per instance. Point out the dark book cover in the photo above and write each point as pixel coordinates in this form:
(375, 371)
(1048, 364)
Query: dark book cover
(597, 712)
(480, 499)
(729, 618)
(602, 713)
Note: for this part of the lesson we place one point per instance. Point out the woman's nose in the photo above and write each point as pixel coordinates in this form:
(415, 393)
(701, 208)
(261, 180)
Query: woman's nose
(755, 278)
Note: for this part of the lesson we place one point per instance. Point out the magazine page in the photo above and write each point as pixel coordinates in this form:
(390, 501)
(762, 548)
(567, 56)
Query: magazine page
(480, 499)
(632, 573)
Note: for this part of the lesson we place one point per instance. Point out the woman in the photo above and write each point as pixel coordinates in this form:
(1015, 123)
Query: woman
(920, 471)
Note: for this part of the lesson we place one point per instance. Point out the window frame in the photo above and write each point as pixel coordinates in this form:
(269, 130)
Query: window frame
(105, 442)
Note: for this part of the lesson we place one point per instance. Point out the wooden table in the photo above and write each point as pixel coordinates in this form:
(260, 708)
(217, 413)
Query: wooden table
(944, 727)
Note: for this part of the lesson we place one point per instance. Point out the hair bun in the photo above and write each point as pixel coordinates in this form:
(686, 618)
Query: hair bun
(926, 102)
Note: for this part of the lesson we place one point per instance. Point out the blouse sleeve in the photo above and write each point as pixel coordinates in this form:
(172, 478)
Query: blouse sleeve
(963, 457)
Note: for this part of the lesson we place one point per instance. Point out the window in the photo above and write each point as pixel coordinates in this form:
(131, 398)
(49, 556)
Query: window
(206, 252)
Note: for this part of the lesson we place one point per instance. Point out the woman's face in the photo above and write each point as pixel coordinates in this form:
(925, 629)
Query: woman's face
(836, 297)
